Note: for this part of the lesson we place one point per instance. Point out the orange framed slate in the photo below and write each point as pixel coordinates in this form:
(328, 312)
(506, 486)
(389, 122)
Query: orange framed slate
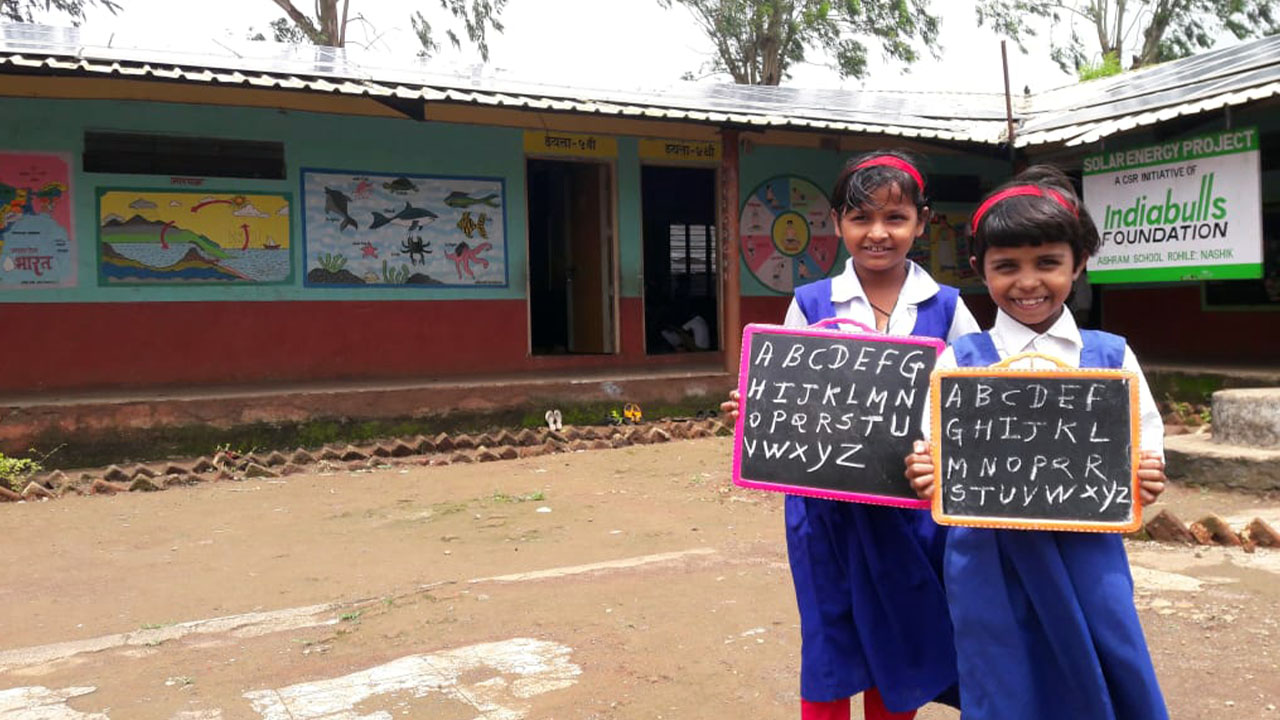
(1036, 449)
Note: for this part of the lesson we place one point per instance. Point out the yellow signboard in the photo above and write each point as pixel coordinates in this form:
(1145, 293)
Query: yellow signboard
(538, 142)
(702, 151)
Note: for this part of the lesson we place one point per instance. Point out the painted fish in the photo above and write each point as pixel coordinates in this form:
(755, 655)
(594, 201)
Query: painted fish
(462, 200)
(469, 226)
(400, 185)
(335, 203)
(410, 216)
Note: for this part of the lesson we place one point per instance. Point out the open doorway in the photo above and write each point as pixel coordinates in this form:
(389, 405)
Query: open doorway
(681, 272)
(571, 307)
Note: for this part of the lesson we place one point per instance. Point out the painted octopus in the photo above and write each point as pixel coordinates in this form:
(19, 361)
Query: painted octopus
(463, 255)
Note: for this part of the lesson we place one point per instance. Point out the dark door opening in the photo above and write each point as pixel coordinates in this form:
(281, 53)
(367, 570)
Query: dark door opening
(570, 258)
(681, 273)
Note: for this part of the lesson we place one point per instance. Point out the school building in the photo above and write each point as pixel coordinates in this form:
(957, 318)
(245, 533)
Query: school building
(241, 219)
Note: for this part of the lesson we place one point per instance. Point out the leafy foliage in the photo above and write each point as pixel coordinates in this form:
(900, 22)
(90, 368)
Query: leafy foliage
(395, 276)
(329, 24)
(1109, 66)
(757, 41)
(333, 262)
(15, 471)
(22, 10)
(1149, 31)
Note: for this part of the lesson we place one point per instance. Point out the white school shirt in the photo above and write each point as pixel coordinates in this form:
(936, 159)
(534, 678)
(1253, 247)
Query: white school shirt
(1064, 342)
(851, 303)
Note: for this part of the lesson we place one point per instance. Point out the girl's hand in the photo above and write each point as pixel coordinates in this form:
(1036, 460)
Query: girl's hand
(1151, 478)
(730, 406)
(920, 470)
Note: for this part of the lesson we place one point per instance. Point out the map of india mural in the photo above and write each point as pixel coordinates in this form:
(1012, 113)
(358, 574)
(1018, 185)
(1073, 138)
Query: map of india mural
(387, 230)
(37, 247)
(177, 237)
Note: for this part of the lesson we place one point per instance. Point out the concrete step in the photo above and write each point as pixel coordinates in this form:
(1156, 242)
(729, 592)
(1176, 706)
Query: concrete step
(1200, 459)
(1249, 418)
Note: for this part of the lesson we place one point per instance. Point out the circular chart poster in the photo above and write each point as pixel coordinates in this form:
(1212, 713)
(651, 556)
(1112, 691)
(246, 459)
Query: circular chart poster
(787, 237)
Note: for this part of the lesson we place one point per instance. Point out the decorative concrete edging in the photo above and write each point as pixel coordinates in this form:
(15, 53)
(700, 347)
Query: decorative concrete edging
(442, 449)
(1209, 530)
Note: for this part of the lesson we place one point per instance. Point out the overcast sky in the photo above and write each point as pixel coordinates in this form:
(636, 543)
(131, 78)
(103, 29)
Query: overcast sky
(599, 43)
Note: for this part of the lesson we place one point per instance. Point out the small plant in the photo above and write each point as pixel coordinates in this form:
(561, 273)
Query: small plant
(1108, 66)
(333, 262)
(536, 496)
(395, 277)
(15, 471)
(352, 616)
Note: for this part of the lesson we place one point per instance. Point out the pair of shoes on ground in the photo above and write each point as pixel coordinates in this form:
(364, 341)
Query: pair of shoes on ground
(554, 420)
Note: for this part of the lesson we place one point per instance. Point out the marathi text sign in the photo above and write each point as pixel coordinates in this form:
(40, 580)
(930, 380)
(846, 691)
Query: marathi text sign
(1187, 209)
(830, 414)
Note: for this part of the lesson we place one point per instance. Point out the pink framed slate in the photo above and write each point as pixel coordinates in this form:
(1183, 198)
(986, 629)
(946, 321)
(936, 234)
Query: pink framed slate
(851, 415)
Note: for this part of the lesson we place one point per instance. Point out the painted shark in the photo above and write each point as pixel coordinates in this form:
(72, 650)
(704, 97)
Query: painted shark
(409, 216)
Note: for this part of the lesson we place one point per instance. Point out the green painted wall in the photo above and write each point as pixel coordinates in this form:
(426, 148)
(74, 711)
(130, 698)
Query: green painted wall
(311, 140)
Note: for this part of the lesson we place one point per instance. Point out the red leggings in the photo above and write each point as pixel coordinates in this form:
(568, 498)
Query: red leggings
(872, 704)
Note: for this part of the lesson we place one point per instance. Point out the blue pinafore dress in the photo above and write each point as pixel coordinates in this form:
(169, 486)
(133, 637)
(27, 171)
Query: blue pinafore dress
(1045, 625)
(868, 578)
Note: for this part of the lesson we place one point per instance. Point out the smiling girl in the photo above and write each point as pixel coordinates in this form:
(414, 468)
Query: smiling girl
(1045, 625)
(873, 615)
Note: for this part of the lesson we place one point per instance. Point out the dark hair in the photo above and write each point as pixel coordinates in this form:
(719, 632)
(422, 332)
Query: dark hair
(854, 187)
(1024, 220)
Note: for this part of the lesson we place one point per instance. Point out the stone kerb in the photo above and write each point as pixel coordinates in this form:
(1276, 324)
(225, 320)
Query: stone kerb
(1247, 418)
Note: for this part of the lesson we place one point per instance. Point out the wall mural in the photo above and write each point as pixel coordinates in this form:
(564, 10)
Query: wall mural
(385, 230)
(37, 245)
(945, 254)
(178, 237)
(787, 237)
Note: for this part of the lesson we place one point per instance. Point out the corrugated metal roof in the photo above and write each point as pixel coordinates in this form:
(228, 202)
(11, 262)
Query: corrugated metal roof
(1086, 112)
(1072, 115)
(958, 117)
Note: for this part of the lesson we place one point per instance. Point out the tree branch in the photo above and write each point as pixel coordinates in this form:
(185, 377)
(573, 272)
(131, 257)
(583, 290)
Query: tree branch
(300, 19)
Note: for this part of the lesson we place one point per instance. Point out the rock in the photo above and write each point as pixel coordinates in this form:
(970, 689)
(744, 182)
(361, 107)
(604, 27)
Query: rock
(328, 453)
(486, 455)
(619, 440)
(461, 457)
(56, 480)
(175, 469)
(1166, 527)
(254, 470)
(1201, 534)
(203, 465)
(291, 469)
(527, 437)
(534, 451)
(508, 452)
(442, 442)
(143, 471)
(400, 448)
(423, 445)
(276, 459)
(36, 490)
(1219, 531)
(657, 435)
(1263, 534)
(351, 452)
(143, 483)
(464, 442)
(301, 457)
(8, 495)
(114, 473)
(106, 487)
(1247, 417)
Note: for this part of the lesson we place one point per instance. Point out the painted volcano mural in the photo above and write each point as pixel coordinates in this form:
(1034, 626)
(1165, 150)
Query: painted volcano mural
(192, 237)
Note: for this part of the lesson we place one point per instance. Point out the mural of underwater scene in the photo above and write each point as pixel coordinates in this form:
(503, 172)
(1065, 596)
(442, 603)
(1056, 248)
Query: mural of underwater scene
(388, 230)
(36, 239)
(177, 237)
(787, 236)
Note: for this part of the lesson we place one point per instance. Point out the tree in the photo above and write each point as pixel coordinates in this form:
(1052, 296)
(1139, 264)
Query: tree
(22, 10)
(1150, 31)
(328, 25)
(757, 41)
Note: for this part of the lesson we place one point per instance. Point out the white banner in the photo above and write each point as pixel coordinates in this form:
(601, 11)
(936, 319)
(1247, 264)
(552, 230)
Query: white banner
(1188, 209)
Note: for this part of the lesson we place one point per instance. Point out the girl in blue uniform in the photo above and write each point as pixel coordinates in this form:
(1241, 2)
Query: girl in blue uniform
(867, 578)
(1045, 625)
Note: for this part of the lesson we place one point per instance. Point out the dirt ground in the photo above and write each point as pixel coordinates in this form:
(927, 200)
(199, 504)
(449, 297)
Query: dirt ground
(631, 583)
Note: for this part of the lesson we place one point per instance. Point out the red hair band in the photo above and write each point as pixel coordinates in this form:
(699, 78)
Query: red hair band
(896, 163)
(1017, 191)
